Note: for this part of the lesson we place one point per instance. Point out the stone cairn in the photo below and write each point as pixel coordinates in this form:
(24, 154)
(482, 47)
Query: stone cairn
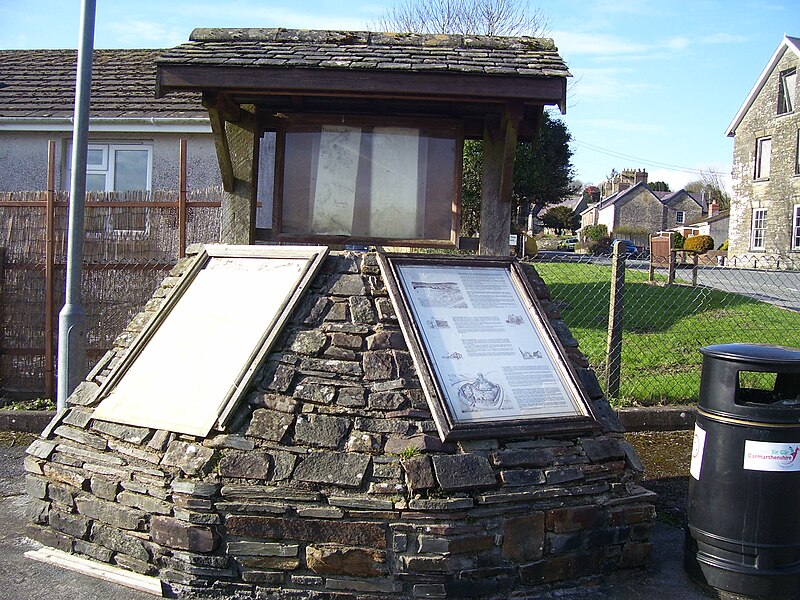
(332, 481)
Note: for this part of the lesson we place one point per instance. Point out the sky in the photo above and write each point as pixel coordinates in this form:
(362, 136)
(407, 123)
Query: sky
(655, 84)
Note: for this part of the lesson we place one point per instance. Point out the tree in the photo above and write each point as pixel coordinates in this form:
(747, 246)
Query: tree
(561, 218)
(481, 17)
(712, 188)
(543, 175)
(659, 186)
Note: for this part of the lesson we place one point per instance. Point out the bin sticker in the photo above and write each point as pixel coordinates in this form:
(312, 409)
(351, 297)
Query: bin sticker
(698, 445)
(771, 456)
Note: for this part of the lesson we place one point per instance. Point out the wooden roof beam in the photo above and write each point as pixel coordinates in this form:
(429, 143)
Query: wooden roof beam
(220, 110)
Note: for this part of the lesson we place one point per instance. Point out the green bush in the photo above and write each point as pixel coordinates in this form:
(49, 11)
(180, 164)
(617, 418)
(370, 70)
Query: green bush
(600, 246)
(723, 246)
(595, 233)
(677, 240)
(700, 243)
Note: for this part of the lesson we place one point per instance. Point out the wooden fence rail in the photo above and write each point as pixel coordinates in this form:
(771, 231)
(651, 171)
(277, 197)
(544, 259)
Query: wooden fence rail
(132, 239)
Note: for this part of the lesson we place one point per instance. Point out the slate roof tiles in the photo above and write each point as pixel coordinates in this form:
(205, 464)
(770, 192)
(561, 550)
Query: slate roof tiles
(309, 49)
(41, 84)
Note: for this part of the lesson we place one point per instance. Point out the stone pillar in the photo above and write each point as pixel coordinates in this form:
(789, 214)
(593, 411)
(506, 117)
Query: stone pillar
(237, 220)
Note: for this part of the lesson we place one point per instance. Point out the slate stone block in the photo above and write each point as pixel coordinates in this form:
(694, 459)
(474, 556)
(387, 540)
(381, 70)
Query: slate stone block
(126, 433)
(188, 457)
(321, 431)
(111, 513)
(309, 343)
(347, 285)
(331, 559)
(269, 424)
(174, 533)
(361, 309)
(599, 450)
(118, 541)
(463, 472)
(523, 538)
(320, 531)
(247, 465)
(75, 526)
(378, 365)
(419, 473)
(337, 468)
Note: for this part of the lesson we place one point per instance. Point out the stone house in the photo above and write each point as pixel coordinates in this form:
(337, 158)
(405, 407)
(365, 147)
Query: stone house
(638, 207)
(765, 208)
(133, 136)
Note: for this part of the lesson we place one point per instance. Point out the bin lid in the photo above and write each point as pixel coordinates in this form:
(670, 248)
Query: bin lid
(759, 353)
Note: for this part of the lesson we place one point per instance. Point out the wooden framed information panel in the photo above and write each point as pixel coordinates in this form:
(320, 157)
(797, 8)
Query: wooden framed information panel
(191, 364)
(488, 360)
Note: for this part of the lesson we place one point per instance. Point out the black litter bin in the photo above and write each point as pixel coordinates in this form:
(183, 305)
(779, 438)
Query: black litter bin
(743, 532)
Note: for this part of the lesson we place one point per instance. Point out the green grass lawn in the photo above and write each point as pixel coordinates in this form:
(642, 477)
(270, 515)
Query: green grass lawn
(664, 327)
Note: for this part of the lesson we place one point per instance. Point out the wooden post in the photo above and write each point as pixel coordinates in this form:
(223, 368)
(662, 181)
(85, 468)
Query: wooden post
(671, 271)
(499, 145)
(182, 199)
(694, 269)
(614, 343)
(49, 259)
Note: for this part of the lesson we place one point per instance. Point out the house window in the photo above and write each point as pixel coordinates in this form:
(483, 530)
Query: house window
(797, 153)
(763, 151)
(680, 217)
(787, 83)
(120, 168)
(796, 227)
(758, 231)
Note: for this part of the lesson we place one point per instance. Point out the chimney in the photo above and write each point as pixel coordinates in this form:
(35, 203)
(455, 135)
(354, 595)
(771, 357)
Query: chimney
(713, 208)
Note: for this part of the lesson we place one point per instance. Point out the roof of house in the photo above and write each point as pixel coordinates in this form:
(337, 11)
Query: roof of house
(670, 196)
(40, 84)
(720, 216)
(615, 198)
(787, 43)
(489, 68)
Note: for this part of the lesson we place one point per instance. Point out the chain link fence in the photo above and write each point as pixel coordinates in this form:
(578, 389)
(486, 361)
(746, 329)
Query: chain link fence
(756, 300)
(131, 241)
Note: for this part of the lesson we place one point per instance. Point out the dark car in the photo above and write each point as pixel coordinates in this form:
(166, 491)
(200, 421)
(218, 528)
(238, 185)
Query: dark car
(630, 247)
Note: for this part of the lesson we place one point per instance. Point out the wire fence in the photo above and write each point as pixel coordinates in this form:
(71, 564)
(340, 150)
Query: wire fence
(131, 241)
(664, 325)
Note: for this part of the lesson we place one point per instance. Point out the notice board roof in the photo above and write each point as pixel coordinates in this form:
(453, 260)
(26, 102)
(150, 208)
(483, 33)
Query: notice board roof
(373, 64)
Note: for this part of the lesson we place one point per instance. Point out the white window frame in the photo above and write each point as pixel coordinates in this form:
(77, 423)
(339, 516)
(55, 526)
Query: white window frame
(787, 84)
(796, 227)
(758, 229)
(106, 168)
(797, 153)
(680, 217)
(762, 158)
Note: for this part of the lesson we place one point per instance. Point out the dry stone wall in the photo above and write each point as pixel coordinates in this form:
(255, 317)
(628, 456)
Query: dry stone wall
(332, 481)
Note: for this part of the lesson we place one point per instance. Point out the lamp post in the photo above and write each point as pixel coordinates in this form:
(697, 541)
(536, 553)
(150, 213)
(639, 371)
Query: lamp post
(72, 363)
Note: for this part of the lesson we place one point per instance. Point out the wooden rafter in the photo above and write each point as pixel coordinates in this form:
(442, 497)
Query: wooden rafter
(220, 110)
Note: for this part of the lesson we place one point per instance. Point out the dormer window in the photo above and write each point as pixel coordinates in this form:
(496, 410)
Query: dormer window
(787, 84)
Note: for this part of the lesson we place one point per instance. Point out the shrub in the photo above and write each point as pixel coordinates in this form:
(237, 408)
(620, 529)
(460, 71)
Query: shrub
(677, 240)
(600, 246)
(723, 246)
(700, 243)
(595, 232)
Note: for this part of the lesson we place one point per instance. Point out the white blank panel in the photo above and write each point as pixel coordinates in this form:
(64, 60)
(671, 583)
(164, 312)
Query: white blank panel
(181, 378)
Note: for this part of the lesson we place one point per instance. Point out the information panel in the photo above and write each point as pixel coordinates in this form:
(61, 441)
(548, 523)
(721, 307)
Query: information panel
(492, 357)
(193, 361)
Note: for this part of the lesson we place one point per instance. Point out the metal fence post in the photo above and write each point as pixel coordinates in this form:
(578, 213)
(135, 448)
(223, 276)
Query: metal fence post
(614, 343)
(182, 199)
(49, 279)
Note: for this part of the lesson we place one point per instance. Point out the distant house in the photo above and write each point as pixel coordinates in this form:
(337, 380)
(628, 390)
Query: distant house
(765, 207)
(637, 211)
(680, 208)
(715, 224)
(133, 136)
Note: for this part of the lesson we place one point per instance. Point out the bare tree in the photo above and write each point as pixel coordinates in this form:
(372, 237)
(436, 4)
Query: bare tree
(712, 187)
(465, 17)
